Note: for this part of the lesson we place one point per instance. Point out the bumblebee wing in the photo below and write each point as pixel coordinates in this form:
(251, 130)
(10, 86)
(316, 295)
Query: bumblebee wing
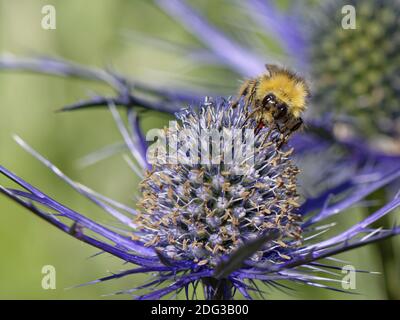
(272, 68)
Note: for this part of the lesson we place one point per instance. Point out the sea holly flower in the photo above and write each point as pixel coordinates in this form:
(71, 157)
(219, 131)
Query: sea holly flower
(227, 226)
(243, 266)
(210, 204)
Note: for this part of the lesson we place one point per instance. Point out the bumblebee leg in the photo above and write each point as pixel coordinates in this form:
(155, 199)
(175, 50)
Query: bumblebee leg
(246, 90)
(291, 127)
(250, 115)
(251, 94)
(243, 90)
(295, 125)
(284, 134)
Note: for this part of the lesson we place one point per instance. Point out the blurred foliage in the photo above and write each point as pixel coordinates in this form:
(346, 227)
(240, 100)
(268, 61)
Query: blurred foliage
(101, 33)
(357, 71)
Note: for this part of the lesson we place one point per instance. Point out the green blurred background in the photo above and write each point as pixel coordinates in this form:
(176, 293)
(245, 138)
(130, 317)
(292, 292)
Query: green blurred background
(99, 33)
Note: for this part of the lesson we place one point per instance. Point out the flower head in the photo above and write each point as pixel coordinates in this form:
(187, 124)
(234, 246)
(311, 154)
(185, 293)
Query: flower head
(202, 211)
(227, 226)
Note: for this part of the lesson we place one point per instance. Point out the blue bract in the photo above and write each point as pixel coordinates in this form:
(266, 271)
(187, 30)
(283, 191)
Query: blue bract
(224, 230)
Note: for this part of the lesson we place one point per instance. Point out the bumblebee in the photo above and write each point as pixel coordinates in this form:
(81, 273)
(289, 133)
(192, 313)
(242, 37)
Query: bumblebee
(277, 98)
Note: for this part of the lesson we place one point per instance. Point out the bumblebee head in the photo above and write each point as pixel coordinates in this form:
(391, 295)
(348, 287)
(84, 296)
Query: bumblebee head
(283, 90)
(272, 103)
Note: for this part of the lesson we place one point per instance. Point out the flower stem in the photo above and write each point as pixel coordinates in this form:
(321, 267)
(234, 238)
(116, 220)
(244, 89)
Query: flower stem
(215, 289)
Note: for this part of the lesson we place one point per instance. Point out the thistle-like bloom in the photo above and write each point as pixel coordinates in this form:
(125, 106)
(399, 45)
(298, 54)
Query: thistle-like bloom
(228, 226)
(201, 212)
(195, 224)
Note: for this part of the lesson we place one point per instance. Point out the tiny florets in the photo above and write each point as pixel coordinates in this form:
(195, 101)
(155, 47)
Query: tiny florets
(201, 211)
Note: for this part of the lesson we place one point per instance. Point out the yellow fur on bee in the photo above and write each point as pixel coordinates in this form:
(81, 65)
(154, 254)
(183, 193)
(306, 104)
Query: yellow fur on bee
(286, 88)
